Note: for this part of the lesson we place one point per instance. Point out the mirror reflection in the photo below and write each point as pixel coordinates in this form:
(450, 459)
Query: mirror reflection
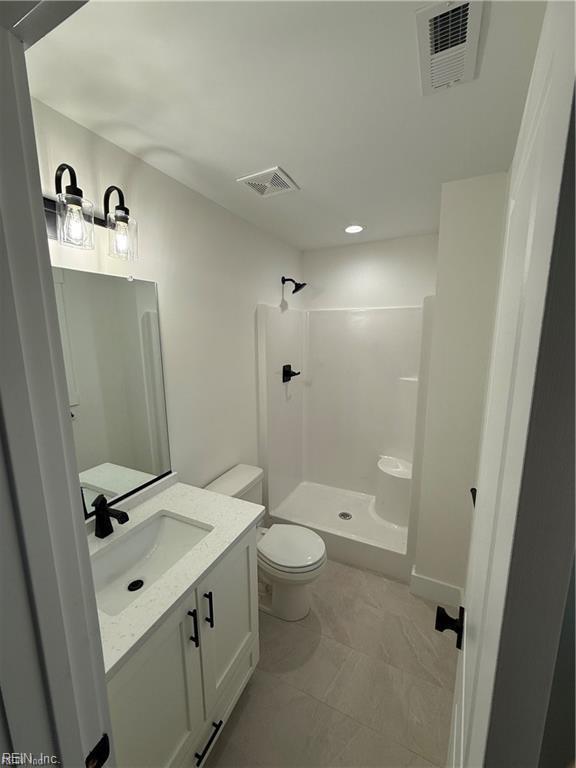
(111, 343)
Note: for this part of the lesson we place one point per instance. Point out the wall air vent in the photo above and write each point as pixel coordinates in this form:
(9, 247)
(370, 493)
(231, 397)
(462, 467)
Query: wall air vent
(273, 181)
(448, 43)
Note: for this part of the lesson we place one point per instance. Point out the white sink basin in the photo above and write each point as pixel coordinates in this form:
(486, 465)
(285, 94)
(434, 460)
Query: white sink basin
(142, 555)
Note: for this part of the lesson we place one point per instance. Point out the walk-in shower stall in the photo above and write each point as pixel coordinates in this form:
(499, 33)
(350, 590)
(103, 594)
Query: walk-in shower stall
(337, 441)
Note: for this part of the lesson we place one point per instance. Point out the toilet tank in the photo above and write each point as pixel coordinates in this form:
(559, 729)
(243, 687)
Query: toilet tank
(242, 481)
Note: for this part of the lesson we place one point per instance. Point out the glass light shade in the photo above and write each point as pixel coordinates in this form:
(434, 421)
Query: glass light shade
(75, 221)
(122, 237)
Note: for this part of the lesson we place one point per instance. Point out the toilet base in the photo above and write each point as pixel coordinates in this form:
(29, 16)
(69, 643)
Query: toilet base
(289, 602)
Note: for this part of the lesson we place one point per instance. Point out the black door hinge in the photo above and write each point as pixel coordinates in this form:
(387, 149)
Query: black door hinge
(99, 754)
(444, 621)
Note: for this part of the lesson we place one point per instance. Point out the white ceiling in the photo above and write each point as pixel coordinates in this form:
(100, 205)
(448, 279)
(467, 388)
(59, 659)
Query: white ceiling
(330, 91)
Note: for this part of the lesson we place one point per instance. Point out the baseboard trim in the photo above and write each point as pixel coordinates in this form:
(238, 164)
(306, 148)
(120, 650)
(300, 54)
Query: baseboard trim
(434, 590)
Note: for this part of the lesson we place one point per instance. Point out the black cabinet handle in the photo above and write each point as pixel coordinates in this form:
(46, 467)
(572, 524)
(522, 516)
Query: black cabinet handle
(210, 618)
(194, 636)
(201, 755)
(473, 494)
(444, 621)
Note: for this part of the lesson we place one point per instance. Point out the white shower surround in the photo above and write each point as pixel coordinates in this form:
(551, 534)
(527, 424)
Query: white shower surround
(359, 393)
(321, 435)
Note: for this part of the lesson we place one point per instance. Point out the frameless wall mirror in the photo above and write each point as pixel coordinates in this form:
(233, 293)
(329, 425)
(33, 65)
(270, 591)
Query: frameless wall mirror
(111, 342)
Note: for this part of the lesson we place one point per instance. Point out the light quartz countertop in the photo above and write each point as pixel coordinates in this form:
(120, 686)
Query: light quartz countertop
(229, 518)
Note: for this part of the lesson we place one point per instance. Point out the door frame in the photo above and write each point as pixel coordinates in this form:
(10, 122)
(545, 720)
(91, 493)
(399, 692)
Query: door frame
(511, 409)
(58, 660)
(543, 546)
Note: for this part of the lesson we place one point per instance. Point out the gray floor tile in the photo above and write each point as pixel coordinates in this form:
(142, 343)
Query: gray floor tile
(278, 725)
(363, 682)
(230, 753)
(382, 619)
(402, 707)
(369, 749)
(306, 660)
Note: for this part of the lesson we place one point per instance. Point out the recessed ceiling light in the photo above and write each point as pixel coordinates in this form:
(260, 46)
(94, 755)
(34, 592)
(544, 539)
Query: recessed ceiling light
(354, 229)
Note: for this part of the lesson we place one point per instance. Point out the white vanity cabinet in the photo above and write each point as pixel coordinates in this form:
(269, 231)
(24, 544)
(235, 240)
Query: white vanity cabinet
(155, 706)
(172, 696)
(228, 616)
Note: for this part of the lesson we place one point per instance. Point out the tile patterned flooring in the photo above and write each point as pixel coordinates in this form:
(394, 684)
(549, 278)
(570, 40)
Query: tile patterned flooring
(363, 681)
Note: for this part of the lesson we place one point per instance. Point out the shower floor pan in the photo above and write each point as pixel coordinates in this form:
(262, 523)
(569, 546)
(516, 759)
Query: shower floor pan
(351, 529)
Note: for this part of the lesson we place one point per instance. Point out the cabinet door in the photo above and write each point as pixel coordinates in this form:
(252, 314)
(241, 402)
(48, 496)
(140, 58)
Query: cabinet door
(228, 600)
(156, 696)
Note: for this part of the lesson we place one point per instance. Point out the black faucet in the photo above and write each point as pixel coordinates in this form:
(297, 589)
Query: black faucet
(103, 513)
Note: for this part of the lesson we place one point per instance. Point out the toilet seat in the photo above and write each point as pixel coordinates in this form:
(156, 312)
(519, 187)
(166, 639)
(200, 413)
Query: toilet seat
(270, 566)
(289, 579)
(291, 549)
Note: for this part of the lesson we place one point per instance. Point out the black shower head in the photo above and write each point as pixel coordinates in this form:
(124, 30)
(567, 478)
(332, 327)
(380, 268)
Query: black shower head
(297, 286)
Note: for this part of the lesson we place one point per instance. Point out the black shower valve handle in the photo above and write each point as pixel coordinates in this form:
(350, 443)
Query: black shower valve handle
(288, 373)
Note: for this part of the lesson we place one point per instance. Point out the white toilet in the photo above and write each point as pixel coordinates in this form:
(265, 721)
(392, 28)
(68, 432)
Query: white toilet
(289, 556)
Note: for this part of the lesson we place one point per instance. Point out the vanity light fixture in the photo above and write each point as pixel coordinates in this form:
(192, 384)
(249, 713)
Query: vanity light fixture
(122, 228)
(70, 218)
(74, 213)
(354, 229)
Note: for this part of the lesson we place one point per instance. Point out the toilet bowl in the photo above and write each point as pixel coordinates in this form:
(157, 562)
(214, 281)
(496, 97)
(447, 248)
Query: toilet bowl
(289, 556)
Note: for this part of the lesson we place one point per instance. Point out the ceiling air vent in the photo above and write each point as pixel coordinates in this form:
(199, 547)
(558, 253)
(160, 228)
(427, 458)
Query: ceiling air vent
(273, 181)
(448, 43)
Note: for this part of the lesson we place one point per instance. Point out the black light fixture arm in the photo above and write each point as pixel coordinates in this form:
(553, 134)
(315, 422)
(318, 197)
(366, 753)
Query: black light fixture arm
(122, 212)
(72, 188)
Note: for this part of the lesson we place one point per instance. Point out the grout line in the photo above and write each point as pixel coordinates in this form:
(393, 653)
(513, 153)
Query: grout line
(372, 657)
(323, 701)
(381, 735)
(404, 672)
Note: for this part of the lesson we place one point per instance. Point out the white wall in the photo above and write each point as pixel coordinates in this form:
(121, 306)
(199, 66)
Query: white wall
(358, 403)
(321, 427)
(469, 258)
(280, 341)
(420, 419)
(212, 269)
(349, 405)
(388, 273)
